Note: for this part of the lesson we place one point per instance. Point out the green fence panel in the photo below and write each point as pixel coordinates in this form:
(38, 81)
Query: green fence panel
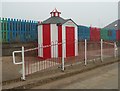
(4, 30)
(104, 34)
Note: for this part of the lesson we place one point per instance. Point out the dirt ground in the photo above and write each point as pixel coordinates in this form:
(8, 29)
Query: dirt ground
(9, 70)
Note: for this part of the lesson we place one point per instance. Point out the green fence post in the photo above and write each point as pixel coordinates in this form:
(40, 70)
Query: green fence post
(2, 29)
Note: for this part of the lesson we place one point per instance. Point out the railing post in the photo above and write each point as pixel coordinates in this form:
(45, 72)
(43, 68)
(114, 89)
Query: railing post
(23, 64)
(85, 52)
(115, 50)
(101, 49)
(63, 60)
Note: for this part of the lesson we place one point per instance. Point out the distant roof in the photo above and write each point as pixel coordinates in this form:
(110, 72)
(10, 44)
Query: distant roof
(114, 25)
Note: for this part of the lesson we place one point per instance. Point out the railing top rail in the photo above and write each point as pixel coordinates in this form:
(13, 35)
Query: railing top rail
(30, 49)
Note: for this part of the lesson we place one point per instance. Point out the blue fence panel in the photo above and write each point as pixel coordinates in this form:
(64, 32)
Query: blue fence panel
(22, 31)
(14, 30)
(112, 35)
(36, 32)
(27, 31)
(83, 33)
(32, 30)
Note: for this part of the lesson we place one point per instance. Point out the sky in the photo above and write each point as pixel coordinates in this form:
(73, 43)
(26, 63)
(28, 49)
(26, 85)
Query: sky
(97, 14)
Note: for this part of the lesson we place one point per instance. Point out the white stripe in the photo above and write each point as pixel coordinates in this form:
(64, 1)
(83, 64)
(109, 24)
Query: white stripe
(76, 41)
(64, 38)
(54, 40)
(40, 40)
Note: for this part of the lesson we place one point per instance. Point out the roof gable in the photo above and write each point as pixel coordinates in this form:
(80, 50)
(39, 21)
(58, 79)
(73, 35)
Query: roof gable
(70, 20)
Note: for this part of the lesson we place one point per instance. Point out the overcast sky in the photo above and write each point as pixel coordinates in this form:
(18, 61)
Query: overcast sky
(97, 14)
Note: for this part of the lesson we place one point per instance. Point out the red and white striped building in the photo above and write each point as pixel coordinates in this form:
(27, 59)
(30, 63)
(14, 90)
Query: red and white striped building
(56, 29)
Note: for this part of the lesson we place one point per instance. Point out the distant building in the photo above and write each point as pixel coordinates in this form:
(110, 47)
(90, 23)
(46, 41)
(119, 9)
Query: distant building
(114, 25)
(113, 30)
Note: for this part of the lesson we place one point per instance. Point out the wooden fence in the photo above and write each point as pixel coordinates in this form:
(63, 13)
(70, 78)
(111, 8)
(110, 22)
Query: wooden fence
(17, 30)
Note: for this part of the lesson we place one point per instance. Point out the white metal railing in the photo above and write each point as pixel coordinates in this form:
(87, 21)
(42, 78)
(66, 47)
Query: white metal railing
(101, 49)
(115, 49)
(85, 51)
(22, 62)
(14, 57)
(63, 58)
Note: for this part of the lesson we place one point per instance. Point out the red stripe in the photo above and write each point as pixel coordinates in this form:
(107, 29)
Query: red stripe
(60, 41)
(118, 35)
(46, 41)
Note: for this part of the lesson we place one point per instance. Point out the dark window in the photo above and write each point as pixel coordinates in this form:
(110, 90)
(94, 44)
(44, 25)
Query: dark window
(109, 33)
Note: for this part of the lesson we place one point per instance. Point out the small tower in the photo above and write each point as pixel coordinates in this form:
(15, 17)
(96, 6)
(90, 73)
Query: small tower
(55, 13)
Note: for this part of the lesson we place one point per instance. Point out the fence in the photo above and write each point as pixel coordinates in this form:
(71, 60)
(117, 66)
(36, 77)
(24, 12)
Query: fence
(87, 51)
(14, 30)
(34, 63)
